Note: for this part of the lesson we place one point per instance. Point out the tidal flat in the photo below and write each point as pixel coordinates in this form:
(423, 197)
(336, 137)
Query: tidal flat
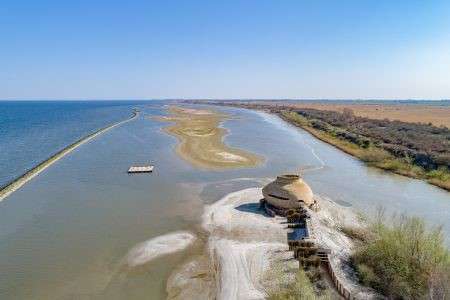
(201, 140)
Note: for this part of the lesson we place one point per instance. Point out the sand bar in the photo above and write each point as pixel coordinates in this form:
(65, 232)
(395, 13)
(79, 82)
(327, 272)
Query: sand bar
(159, 246)
(201, 140)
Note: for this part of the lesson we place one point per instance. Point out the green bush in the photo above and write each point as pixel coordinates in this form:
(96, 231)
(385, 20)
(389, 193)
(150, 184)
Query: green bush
(299, 289)
(442, 174)
(282, 284)
(367, 276)
(403, 259)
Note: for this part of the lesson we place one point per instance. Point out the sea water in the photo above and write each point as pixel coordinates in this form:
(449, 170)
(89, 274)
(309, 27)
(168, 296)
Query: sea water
(31, 131)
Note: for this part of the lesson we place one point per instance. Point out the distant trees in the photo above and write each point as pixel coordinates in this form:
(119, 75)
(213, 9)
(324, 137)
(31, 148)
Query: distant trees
(425, 145)
(412, 149)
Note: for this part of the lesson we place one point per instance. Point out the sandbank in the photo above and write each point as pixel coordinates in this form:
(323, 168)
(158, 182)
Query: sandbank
(159, 246)
(201, 140)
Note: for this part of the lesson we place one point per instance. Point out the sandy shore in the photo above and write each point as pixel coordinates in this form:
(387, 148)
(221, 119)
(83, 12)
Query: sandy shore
(201, 140)
(19, 182)
(243, 245)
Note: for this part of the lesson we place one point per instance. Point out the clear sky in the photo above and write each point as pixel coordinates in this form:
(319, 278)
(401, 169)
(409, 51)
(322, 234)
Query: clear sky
(224, 49)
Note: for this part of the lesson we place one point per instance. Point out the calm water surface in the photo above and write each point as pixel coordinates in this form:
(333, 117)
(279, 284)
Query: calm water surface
(64, 235)
(31, 131)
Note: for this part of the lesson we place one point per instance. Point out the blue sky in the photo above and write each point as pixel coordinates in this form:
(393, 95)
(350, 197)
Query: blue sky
(224, 49)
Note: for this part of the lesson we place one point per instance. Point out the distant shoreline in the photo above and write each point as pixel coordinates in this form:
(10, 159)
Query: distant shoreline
(391, 163)
(17, 183)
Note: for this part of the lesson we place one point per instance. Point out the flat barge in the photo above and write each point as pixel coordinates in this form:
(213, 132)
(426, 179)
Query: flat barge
(140, 169)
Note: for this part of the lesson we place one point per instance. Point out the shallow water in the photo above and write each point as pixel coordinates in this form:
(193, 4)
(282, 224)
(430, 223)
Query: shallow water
(31, 131)
(65, 234)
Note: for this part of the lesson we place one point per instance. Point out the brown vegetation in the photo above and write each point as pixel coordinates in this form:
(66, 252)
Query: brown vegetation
(415, 150)
(436, 115)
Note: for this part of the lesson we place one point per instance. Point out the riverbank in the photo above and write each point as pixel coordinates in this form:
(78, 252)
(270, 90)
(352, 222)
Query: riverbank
(27, 176)
(358, 146)
(201, 140)
(414, 112)
(373, 156)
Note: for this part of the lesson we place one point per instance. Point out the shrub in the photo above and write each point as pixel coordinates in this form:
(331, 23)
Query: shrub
(358, 233)
(300, 289)
(283, 284)
(443, 174)
(367, 276)
(404, 259)
(372, 155)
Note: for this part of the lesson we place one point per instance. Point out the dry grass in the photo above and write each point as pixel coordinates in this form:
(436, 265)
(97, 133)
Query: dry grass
(436, 115)
(298, 287)
(357, 233)
(372, 155)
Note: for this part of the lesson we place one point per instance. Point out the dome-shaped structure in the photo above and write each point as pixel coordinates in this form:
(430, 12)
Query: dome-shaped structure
(288, 191)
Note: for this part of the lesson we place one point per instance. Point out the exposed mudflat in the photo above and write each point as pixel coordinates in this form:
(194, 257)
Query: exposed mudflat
(201, 140)
(159, 246)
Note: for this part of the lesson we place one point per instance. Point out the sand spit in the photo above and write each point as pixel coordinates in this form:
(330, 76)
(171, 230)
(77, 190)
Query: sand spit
(159, 246)
(20, 181)
(201, 140)
(243, 242)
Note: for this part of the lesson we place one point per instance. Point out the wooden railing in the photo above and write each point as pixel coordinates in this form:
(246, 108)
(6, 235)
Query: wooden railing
(343, 291)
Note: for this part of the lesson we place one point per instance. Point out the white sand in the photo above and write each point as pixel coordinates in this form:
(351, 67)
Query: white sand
(230, 156)
(159, 246)
(241, 267)
(241, 246)
(237, 217)
(326, 224)
(243, 243)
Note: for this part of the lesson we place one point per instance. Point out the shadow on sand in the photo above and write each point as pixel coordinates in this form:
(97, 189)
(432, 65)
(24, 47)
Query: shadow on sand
(252, 208)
